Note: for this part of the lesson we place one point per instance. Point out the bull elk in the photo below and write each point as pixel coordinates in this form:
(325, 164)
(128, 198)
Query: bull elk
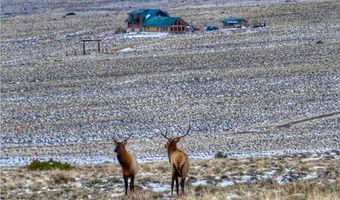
(128, 163)
(179, 161)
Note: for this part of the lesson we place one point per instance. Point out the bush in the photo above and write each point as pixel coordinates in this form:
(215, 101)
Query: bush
(220, 154)
(37, 165)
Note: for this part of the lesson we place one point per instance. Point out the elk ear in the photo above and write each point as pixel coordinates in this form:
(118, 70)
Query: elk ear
(177, 139)
(125, 142)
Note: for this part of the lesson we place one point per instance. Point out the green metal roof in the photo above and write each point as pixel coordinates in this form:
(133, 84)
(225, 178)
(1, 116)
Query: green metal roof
(159, 21)
(147, 13)
(130, 20)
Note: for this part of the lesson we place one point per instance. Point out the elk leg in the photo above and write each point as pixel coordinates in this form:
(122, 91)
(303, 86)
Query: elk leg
(182, 184)
(172, 183)
(126, 183)
(132, 186)
(177, 186)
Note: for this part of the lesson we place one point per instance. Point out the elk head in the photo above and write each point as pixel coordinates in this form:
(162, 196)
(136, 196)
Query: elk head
(120, 146)
(172, 141)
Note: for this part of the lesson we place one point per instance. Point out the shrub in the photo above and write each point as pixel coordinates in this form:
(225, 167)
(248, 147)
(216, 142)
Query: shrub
(37, 165)
(220, 154)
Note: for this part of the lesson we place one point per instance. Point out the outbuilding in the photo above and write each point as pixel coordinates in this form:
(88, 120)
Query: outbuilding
(235, 22)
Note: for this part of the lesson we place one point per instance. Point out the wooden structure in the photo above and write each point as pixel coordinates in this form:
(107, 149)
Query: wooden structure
(90, 40)
(154, 20)
(136, 18)
(166, 24)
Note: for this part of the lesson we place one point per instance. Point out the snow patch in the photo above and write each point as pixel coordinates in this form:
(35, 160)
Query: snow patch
(246, 178)
(279, 180)
(268, 174)
(225, 183)
(128, 49)
(145, 35)
(158, 187)
(310, 176)
(310, 159)
(200, 183)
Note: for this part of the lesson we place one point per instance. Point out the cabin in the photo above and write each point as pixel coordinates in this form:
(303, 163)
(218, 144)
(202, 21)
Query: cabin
(154, 20)
(165, 24)
(136, 18)
(235, 22)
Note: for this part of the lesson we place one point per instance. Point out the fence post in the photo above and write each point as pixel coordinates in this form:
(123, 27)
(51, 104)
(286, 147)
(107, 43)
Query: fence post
(98, 46)
(84, 52)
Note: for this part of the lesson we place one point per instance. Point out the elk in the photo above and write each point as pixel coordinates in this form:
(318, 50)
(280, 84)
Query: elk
(179, 161)
(128, 163)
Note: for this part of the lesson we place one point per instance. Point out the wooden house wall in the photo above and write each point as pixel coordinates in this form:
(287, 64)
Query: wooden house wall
(178, 26)
(156, 29)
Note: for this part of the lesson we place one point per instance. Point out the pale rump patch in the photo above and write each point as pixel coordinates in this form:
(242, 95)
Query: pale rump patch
(179, 159)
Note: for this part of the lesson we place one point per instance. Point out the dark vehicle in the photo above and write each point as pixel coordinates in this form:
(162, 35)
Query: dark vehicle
(212, 28)
(259, 25)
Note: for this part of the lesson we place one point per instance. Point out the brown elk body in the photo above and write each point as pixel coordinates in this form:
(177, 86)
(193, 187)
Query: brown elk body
(128, 163)
(179, 162)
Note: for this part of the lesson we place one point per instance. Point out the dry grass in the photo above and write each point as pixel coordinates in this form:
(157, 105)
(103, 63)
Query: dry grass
(105, 181)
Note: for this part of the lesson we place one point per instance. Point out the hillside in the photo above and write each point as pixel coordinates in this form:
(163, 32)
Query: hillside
(247, 92)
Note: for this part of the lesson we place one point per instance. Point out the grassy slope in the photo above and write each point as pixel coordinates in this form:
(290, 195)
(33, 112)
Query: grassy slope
(105, 181)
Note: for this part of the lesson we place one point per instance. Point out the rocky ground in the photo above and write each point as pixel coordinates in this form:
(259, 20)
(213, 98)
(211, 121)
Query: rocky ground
(299, 176)
(246, 92)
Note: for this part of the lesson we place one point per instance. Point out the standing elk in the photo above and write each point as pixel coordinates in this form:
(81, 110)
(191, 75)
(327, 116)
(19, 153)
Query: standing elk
(128, 163)
(178, 160)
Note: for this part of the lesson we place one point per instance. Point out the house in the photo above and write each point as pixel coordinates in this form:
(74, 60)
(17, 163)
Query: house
(154, 20)
(137, 17)
(165, 24)
(235, 22)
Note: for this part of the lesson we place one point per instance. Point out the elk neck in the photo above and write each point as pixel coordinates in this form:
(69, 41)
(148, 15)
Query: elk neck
(172, 148)
(124, 157)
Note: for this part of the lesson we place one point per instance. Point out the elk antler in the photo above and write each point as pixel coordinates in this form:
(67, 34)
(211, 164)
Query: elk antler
(123, 140)
(128, 137)
(114, 139)
(165, 135)
(189, 128)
